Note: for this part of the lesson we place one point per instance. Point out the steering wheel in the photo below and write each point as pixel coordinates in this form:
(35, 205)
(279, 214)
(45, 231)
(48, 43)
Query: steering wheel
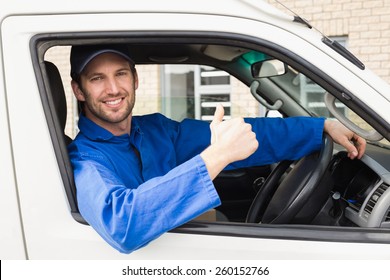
(300, 195)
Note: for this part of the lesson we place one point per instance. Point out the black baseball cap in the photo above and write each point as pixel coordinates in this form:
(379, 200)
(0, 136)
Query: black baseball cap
(80, 56)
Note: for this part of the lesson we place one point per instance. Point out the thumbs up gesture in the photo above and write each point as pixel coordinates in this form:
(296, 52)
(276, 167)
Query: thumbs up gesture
(218, 118)
(231, 140)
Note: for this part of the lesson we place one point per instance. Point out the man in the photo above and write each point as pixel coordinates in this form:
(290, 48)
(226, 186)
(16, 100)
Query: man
(140, 176)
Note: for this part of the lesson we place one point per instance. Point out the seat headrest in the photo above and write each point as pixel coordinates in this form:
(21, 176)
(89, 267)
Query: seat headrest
(57, 92)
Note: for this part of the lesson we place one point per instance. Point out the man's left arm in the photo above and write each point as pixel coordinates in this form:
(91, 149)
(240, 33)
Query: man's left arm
(283, 139)
(293, 138)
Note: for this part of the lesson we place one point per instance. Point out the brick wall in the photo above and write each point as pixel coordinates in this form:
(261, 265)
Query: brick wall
(148, 97)
(366, 24)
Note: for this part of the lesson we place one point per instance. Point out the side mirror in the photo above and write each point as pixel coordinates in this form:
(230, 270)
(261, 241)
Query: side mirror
(268, 68)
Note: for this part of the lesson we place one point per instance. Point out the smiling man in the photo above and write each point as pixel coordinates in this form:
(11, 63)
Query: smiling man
(140, 176)
(108, 88)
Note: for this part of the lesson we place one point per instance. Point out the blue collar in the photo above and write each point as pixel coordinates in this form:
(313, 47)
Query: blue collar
(97, 133)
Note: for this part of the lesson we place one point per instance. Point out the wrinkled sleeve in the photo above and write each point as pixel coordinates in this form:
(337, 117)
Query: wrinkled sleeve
(284, 139)
(128, 219)
(279, 139)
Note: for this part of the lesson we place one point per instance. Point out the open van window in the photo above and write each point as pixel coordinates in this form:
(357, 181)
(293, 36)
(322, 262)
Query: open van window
(189, 83)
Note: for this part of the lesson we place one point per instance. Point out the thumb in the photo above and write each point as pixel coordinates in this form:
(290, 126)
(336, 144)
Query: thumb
(218, 117)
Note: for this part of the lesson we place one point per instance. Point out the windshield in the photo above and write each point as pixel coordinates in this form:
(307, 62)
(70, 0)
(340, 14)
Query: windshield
(310, 96)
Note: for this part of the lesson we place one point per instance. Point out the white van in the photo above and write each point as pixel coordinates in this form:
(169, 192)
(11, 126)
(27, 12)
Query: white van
(217, 47)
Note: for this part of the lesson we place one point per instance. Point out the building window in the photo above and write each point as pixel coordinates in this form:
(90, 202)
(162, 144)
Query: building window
(193, 91)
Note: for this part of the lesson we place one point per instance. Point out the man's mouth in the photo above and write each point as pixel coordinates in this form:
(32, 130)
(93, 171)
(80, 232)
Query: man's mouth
(113, 102)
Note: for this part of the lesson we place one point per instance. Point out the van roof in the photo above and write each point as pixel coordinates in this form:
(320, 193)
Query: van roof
(253, 9)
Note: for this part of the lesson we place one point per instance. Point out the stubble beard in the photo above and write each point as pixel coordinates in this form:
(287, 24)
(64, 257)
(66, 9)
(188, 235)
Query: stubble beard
(110, 116)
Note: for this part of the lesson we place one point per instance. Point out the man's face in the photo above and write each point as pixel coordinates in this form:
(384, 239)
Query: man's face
(107, 86)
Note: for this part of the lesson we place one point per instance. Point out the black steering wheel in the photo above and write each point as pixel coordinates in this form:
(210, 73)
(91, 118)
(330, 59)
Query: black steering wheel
(300, 195)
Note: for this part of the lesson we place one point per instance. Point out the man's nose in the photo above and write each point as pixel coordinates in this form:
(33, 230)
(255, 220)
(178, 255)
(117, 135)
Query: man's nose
(112, 85)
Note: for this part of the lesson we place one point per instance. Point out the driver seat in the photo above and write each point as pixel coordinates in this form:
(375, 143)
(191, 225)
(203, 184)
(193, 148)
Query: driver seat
(58, 96)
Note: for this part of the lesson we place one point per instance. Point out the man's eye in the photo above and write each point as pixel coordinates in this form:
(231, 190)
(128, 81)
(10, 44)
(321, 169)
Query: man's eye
(122, 73)
(95, 78)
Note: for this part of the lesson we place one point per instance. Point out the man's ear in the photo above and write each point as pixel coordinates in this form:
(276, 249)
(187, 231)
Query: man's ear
(135, 75)
(78, 93)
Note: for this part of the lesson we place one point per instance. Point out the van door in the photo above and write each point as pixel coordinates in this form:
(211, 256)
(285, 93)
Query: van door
(11, 233)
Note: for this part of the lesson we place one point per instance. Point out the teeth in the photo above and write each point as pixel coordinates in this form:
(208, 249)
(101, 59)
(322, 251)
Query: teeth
(113, 102)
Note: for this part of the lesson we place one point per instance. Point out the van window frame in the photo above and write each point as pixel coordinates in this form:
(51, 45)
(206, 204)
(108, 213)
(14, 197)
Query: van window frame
(40, 43)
